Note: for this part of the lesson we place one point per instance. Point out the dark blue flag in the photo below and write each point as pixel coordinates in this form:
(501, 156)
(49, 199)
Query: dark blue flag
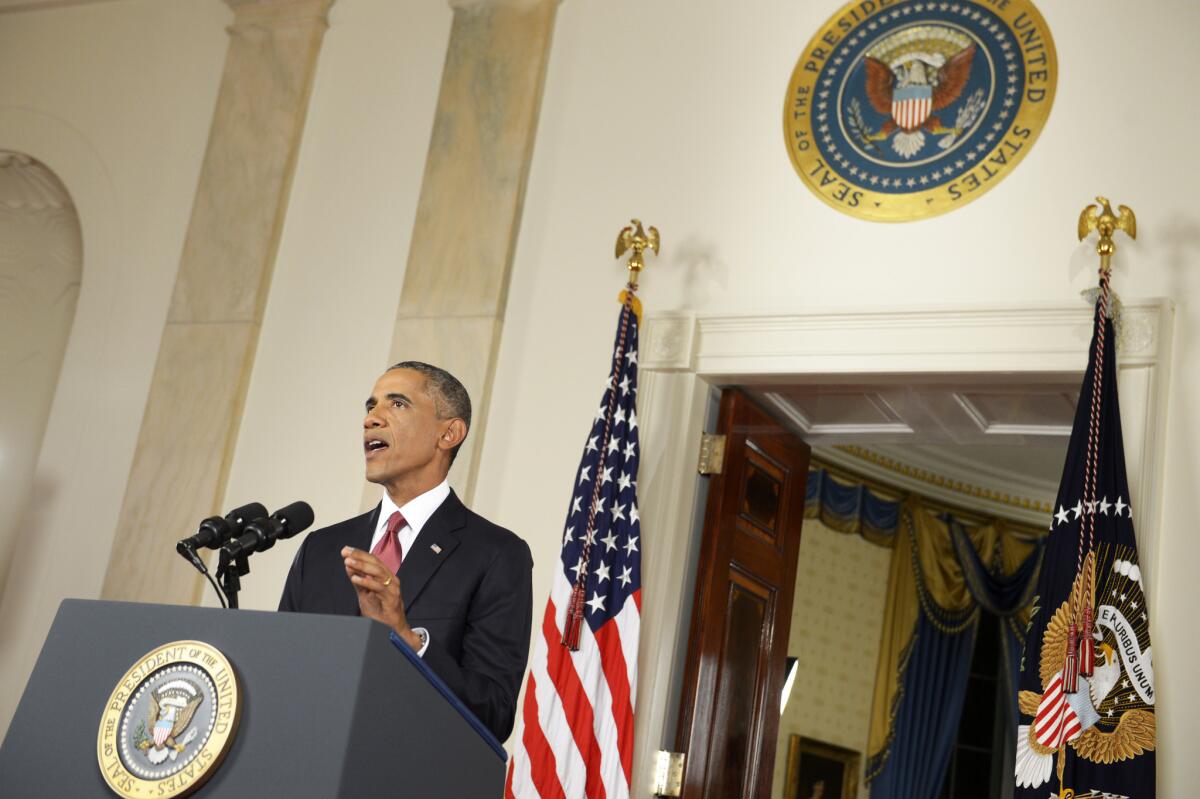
(1087, 725)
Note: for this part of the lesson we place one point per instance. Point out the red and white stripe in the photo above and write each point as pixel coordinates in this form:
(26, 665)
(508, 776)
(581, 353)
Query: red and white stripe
(1055, 722)
(575, 730)
(910, 113)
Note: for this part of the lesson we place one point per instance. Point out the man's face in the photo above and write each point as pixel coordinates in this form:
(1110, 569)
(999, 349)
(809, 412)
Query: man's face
(401, 430)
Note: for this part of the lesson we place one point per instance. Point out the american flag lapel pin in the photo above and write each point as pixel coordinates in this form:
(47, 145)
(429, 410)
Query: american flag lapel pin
(436, 549)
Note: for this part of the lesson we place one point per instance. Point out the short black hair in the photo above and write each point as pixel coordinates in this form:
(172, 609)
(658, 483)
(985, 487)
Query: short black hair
(450, 398)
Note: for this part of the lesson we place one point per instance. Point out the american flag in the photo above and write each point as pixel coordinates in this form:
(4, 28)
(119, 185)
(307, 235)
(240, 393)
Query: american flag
(575, 732)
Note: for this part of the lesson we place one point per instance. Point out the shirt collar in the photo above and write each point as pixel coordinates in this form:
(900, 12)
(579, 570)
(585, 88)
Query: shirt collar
(418, 509)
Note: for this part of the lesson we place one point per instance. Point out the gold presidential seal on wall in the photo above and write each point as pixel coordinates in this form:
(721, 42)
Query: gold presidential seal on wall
(169, 721)
(905, 109)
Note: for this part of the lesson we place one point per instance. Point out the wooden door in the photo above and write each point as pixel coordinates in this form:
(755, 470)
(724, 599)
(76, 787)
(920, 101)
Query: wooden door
(741, 616)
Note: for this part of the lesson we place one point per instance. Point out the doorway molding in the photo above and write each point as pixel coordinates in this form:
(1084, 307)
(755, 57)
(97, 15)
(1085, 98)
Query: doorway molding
(686, 355)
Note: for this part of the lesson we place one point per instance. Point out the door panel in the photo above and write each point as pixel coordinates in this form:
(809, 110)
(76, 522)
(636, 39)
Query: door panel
(747, 608)
(729, 715)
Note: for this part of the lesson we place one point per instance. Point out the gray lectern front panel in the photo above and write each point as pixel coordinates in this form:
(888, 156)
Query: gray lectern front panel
(329, 708)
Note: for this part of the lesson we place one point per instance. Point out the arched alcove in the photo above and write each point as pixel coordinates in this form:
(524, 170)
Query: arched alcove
(41, 261)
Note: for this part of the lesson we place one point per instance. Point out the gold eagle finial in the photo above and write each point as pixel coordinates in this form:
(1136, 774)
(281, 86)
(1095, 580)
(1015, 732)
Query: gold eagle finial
(633, 237)
(1103, 220)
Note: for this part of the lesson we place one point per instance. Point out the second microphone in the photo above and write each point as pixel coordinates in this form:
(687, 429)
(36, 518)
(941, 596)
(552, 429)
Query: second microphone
(260, 535)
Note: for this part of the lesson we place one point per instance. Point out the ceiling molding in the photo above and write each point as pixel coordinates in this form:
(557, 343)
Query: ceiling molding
(797, 417)
(971, 487)
(1054, 430)
(942, 461)
(988, 427)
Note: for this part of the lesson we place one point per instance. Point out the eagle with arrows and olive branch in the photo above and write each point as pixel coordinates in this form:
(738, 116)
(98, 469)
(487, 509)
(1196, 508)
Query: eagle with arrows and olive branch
(909, 90)
(171, 709)
(1098, 725)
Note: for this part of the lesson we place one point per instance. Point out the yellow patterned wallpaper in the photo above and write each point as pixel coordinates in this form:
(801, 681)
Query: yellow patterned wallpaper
(837, 616)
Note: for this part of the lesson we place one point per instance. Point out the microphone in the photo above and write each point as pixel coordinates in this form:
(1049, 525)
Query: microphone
(261, 534)
(215, 531)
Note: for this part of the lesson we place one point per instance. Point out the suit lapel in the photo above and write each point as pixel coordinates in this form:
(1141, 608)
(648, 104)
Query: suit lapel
(433, 546)
(359, 538)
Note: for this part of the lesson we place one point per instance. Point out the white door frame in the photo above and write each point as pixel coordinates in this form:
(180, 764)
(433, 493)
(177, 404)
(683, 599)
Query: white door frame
(684, 355)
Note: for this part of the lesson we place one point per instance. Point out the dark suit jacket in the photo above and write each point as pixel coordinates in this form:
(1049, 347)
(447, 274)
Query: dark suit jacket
(475, 598)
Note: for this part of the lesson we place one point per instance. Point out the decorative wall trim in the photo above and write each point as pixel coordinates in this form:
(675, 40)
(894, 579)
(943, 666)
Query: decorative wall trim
(668, 342)
(961, 341)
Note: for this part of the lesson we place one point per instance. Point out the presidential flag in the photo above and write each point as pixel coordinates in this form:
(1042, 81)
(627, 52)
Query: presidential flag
(575, 733)
(1087, 725)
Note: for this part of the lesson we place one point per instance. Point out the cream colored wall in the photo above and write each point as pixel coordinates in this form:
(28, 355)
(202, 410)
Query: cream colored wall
(116, 99)
(668, 110)
(837, 617)
(328, 323)
(672, 114)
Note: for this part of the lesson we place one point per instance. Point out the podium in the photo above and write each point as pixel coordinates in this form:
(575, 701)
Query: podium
(330, 706)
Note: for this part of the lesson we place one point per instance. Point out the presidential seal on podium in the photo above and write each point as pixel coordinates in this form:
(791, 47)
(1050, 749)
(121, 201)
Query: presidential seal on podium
(169, 721)
(900, 110)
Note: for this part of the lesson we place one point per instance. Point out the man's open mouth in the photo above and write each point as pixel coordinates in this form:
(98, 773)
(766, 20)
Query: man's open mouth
(374, 445)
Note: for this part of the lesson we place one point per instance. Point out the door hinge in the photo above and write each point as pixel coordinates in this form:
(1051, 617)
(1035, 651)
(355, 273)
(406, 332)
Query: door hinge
(668, 773)
(712, 453)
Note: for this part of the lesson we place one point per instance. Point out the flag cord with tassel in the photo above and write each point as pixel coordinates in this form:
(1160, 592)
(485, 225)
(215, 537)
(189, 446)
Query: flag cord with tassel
(1080, 657)
(1081, 647)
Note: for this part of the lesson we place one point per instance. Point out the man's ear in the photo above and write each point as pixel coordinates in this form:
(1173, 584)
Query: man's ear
(453, 434)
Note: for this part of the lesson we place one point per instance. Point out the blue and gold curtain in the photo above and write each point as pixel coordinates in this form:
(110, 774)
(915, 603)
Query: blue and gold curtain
(851, 507)
(943, 572)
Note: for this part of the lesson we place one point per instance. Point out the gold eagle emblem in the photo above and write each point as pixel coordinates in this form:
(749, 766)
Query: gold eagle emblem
(170, 712)
(1105, 221)
(1135, 729)
(634, 238)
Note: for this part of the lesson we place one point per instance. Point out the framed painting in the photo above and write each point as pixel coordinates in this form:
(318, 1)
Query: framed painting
(817, 770)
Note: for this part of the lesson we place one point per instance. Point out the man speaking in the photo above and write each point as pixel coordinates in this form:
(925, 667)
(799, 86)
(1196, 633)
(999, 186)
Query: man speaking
(455, 587)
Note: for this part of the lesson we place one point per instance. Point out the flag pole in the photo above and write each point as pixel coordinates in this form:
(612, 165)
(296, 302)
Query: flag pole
(636, 240)
(1080, 652)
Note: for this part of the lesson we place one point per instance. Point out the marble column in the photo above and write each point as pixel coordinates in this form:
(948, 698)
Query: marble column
(456, 283)
(189, 429)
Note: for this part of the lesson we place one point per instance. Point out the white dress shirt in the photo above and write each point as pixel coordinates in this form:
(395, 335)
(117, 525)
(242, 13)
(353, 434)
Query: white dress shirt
(415, 512)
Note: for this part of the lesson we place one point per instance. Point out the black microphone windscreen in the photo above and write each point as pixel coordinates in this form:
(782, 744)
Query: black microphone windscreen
(295, 517)
(239, 516)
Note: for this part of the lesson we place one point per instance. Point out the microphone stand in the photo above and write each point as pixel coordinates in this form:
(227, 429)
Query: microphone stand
(229, 572)
(193, 557)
